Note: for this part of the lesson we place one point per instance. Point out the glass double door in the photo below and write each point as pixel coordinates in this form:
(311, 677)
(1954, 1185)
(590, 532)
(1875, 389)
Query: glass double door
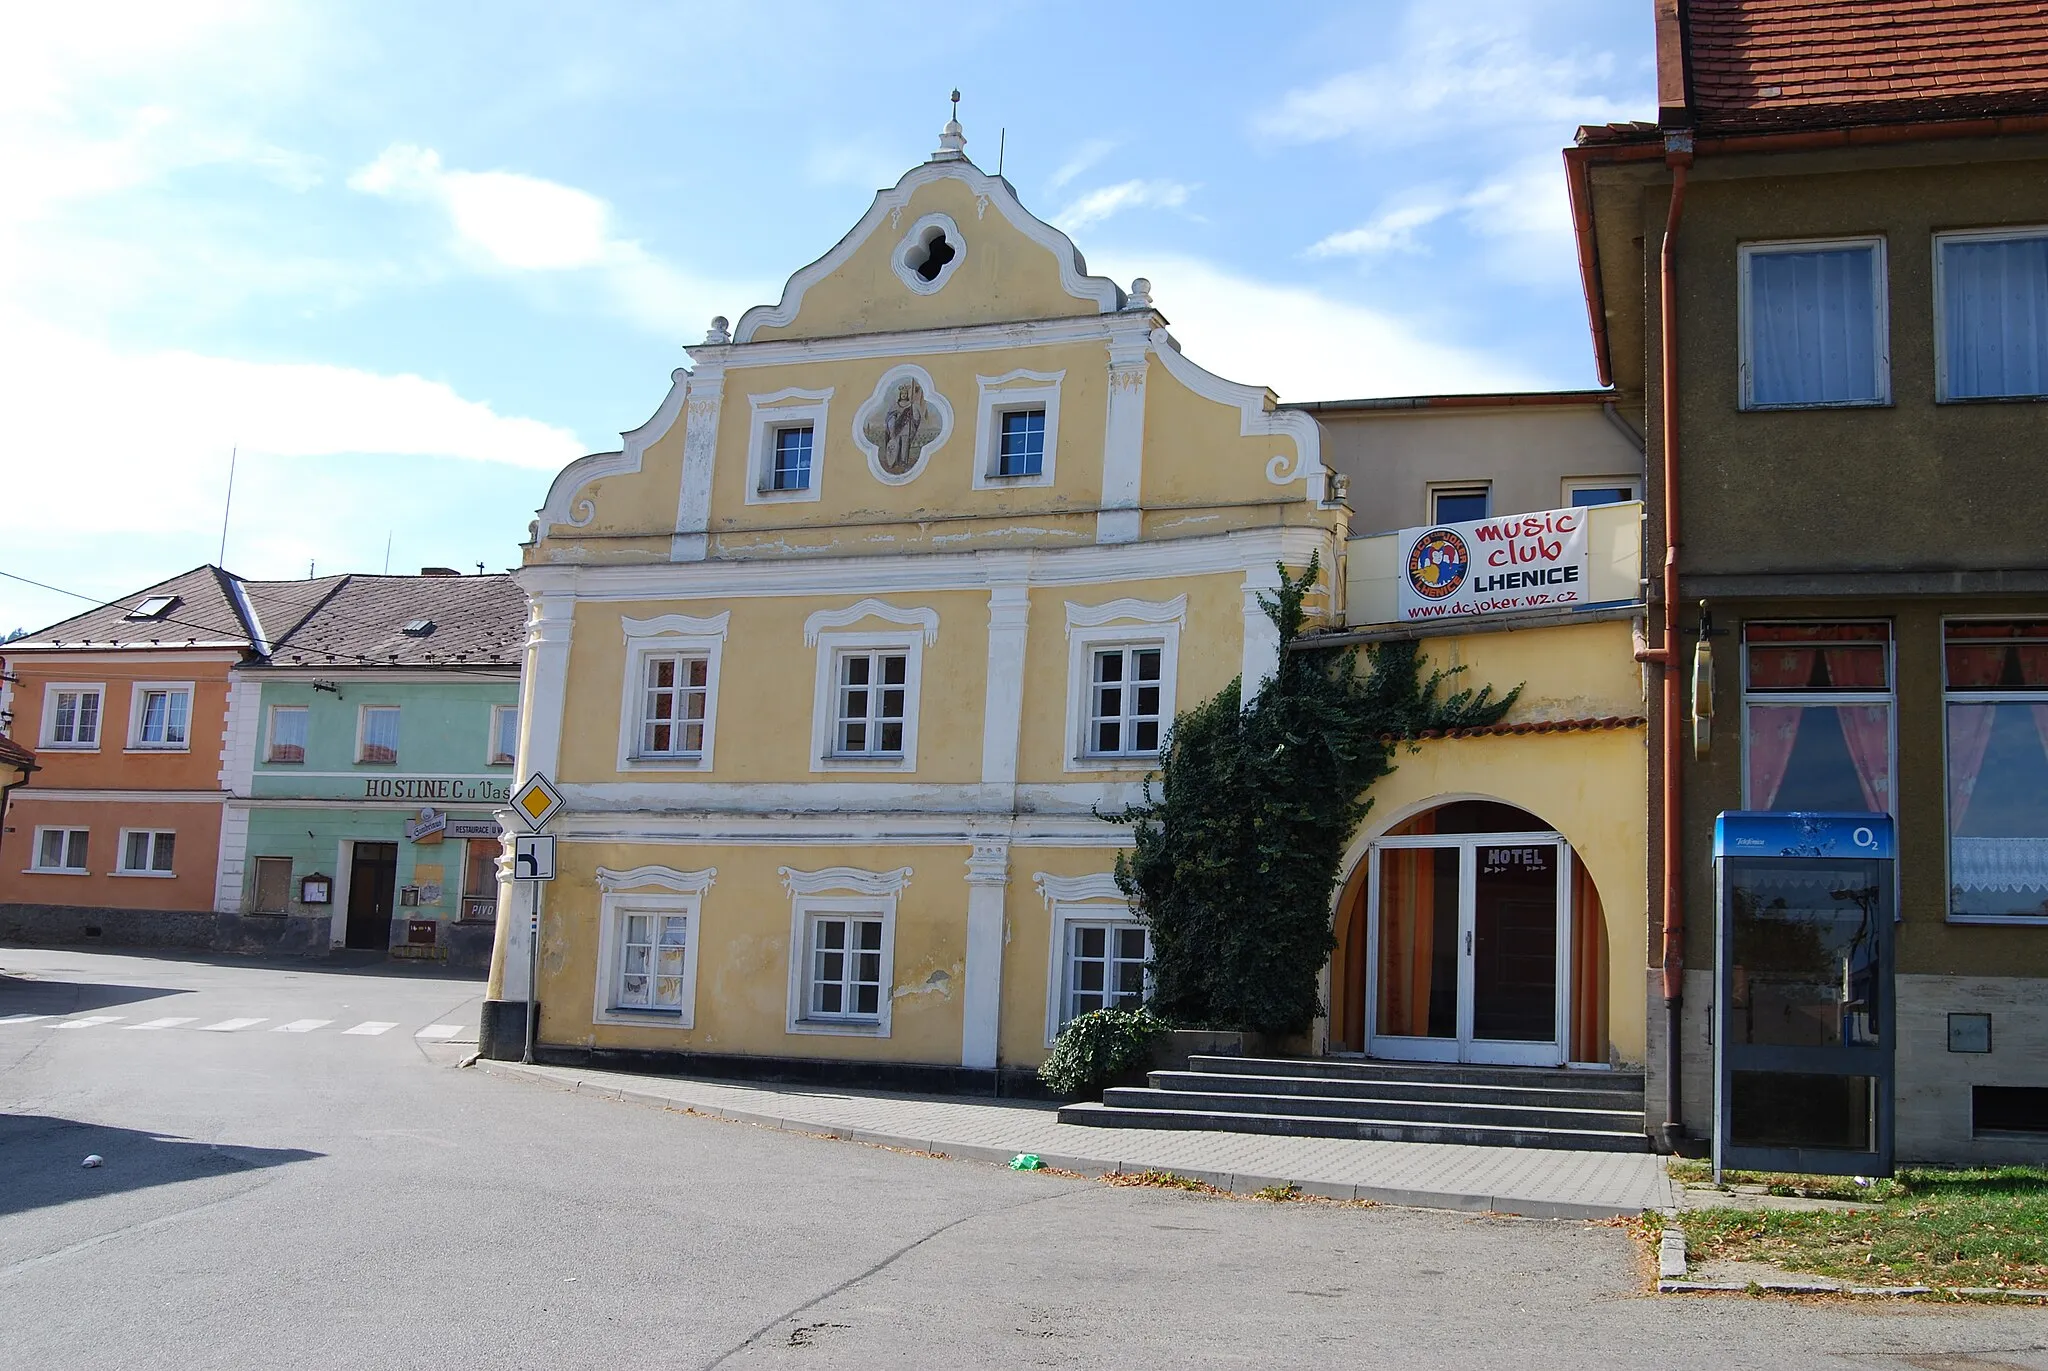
(1469, 947)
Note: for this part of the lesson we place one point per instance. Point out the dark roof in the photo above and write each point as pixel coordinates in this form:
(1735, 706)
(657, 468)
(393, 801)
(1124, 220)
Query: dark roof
(15, 755)
(476, 621)
(1783, 64)
(204, 613)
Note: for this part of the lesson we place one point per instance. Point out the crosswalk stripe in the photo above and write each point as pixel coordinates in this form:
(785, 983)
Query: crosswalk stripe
(372, 1028)
(228, 1025)
(157, 1023)
(89, 1021)
(439, 1030)
(301, 1025)
(23, 1018)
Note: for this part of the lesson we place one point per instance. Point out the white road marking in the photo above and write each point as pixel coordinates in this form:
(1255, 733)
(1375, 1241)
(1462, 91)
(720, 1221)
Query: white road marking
(371, 1029)
(23, 1018)
(157, 1023)
(301, 1025)
(89, 1021)
(228, 1025)
(439, 1030)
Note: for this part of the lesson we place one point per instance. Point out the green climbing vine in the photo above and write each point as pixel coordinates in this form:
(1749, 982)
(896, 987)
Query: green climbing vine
(1238, 848)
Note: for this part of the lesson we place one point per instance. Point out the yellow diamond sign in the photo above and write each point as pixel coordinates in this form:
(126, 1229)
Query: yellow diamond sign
(537, 801)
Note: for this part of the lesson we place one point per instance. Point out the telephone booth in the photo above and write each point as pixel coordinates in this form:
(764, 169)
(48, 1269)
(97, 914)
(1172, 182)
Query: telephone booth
(1804, 1019)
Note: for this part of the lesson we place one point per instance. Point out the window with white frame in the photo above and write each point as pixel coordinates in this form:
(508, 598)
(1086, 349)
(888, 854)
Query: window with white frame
(146, 852)
(163, 716)
(647, 935)
(1585, 492)
(504, 734)
(844, 975)
(1996, 677)
(377, 734)
(785, 445)
(287, 734)
(1123, 700)
(1814, 324)
(1460, 504)
(1817, 716)
(1991, 296)
(1016, 436)
(669, 714)
(71, 715)
(1123, 658)
(871, 702)
(653, 952)
(1105, 966)
(61, 850)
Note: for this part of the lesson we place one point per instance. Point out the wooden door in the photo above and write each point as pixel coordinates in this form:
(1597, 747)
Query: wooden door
(372, 891)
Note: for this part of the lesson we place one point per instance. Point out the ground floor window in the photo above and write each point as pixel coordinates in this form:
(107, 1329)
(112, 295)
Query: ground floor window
(61, 849)
(147, 852)
(1105, 967)
(273, 885)
(480, 879)
(1997, 725)
(845, 968)
(1817, 716)
(653, 952)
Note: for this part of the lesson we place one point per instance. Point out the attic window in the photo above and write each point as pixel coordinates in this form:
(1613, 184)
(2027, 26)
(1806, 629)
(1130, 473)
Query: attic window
(930, 256)
(929, 253)
(418, 628)
(155, 607)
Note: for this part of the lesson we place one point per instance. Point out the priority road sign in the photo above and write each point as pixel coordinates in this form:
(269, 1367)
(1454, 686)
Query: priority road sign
(537, 801)
(533, 857)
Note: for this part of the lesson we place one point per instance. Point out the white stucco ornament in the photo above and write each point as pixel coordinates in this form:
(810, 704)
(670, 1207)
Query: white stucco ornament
(902, 424)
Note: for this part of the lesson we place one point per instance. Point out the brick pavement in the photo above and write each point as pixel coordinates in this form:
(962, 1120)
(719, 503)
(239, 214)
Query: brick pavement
(1535, 1182)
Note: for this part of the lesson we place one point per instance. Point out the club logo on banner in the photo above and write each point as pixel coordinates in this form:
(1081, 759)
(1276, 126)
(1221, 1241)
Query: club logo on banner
(1509, 565)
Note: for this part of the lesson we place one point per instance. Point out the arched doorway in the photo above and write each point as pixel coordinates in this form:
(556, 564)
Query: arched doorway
(1470, 932)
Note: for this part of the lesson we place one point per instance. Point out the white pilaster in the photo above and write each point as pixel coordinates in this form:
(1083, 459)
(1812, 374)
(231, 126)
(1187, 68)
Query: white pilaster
(988, 885)
(1261, 638)
(545, 690)
(1009, 613)
(241, 735)
(700, 453)
(1123, 441)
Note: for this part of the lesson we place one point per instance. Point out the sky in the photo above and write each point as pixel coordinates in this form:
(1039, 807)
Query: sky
(402, 262)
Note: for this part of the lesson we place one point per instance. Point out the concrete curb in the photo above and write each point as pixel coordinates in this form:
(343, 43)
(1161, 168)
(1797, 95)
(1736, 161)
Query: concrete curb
(1234, 1183)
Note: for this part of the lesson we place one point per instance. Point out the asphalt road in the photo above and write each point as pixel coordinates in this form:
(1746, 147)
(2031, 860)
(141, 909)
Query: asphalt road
(319, 1198)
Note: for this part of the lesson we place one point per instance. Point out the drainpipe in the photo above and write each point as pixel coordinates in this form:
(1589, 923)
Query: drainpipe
(1665, 656)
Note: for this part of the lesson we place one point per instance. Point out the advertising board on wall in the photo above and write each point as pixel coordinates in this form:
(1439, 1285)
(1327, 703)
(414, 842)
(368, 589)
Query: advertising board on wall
(1509, 565)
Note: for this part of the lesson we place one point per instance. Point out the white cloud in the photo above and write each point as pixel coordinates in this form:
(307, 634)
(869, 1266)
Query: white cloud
(1391, 230)
(1302, 343)
(1522, 214)
(863, 162)
(1100, 204)
(1085, 157)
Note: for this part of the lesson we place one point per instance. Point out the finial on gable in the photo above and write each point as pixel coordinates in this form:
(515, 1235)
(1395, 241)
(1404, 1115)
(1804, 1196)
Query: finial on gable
(720, 330)
(1140, 295)
(953, 139)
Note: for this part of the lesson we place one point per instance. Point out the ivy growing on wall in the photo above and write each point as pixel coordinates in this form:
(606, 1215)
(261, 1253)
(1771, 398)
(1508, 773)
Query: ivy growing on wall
(1239, 846)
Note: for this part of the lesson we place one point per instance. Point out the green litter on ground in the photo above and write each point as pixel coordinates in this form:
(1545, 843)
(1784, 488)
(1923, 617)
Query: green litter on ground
(1026, 1161)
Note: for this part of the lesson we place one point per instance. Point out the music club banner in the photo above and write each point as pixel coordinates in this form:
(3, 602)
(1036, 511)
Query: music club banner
(1509, 565)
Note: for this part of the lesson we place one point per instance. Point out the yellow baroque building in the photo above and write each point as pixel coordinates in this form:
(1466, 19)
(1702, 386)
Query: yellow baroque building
(837, 659)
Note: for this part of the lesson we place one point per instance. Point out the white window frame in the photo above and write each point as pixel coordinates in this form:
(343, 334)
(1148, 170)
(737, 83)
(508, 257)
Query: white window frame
(270, 733)
(1994, 235)
(1950, 696)
(35, 853)
(840, 892)
(669, 635)
(794, 407)
(121, 867)
(99, 725)
(611, 942)
(1574, 484)
(1009, 393)
(921, 628)
(492, 757)
(1438, 489)
(1091, 899)
(1120, 623)
(362, 729)
(1889, 697)
(900, 254)
(137, 694)
(1746, 253)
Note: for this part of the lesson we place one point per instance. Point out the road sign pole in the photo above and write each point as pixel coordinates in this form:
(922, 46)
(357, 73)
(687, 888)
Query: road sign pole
(533, 973)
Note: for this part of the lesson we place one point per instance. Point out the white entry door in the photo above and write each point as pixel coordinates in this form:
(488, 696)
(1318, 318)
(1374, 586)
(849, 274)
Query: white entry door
(1470, 948)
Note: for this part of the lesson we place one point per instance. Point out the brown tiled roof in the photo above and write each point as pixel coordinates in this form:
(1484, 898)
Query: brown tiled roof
(1772, 64)
(15, 755)
(205, 613)
(1600, 725)
(477, 621)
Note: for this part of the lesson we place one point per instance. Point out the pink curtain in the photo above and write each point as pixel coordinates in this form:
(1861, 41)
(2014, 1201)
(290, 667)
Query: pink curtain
(1855, 668)
(1974, 667)
(1867, 730)
(1779, 668)
(1969, 734)
(1773, 729)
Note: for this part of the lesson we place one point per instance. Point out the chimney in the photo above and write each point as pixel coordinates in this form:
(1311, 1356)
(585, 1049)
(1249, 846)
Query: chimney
(439, 571)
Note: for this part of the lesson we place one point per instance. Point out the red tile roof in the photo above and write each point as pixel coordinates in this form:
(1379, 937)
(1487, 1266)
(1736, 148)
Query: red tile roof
(13, 754)
(1599, 725)
(1770, 64)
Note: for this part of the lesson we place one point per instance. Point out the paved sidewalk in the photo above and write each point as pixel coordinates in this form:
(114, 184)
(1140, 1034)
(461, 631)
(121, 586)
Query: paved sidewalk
(1535, 1182)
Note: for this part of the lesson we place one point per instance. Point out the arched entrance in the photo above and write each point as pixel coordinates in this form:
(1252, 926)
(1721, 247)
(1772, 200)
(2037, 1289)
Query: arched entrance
(1471, 933)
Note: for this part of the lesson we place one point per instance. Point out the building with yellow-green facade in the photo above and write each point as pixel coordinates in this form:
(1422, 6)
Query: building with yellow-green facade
(837, 661)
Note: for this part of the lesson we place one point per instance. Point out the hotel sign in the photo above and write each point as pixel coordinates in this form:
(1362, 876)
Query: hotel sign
(1510, 565)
